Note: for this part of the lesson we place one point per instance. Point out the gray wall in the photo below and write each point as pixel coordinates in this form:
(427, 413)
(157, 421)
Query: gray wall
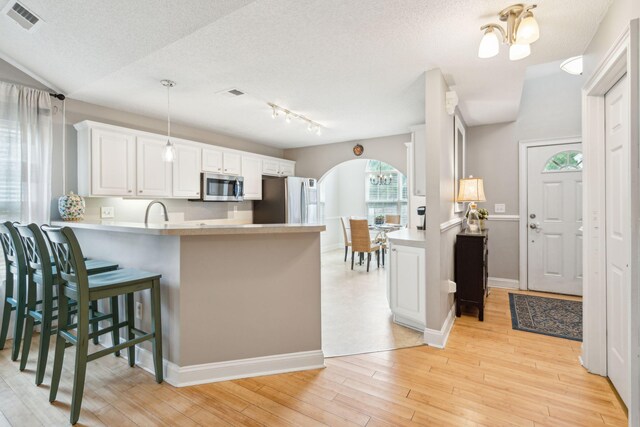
(551, 107)
(77, 111)
(317, 160)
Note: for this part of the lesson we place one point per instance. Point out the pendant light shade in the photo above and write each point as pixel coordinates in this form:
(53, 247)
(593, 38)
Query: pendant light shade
(528, 30)
(519, 51)
(169, 153)
(489, 45)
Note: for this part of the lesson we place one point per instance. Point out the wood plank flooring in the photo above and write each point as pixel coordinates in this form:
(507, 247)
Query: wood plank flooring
(489, 375)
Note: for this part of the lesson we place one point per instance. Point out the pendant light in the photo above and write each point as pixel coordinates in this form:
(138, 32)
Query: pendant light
(169, 153)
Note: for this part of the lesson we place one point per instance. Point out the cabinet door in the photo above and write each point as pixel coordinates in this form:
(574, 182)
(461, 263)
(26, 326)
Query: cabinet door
(232, 163)
(407, 285)
(211, 160)
(186, 171)
(252, 173)
(112, 163)
(153, 173)
(287, 169)
(270, 167)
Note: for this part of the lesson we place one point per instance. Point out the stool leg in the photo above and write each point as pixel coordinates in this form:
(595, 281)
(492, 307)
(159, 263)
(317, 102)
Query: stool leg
(94, 326)
(115, 319)
(28, 329)
(82, 350)
(156, 323)
(45, 333)
(6, 314)
(19, 326)
(131, 324)
(58, 358)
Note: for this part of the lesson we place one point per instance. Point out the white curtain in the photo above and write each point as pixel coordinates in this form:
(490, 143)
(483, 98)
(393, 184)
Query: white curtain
(26, 134)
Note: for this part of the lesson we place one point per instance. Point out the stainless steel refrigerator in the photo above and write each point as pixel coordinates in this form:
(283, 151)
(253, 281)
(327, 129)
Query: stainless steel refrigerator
(291, 200)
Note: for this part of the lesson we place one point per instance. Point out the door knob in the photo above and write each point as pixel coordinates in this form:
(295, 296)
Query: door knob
(533, 226)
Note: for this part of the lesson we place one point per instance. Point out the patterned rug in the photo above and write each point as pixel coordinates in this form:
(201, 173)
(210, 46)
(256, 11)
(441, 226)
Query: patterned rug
(548, 316)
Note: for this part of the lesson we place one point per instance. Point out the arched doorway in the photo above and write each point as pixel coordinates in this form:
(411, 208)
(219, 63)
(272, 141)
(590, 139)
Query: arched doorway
(355, 312)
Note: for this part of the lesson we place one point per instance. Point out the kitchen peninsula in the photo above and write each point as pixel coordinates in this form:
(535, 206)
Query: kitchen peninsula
(237, 300)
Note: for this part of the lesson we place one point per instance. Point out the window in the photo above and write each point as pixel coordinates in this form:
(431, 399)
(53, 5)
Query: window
(566, 161)
(10, 171)
(385, 199)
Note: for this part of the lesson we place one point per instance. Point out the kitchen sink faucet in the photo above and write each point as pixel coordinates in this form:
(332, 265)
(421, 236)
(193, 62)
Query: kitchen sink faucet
(164, 208)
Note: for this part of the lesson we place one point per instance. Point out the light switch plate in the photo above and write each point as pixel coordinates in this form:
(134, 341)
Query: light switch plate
(499, 208)
(107, 212)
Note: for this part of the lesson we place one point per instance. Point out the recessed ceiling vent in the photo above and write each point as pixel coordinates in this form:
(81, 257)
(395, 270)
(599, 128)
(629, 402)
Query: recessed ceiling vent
(23, 16)
(231, 93)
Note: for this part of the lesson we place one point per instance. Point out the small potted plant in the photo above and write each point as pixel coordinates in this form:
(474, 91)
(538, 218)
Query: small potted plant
(379, 219)
(483, 214)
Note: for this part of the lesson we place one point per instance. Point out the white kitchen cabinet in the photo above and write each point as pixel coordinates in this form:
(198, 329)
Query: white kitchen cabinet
(407, 286)
(112, 157)
(252, 174)
(186, 171)
(211, 160)
(232, 163)
(153, 173)
(275, 167)
(419, 139)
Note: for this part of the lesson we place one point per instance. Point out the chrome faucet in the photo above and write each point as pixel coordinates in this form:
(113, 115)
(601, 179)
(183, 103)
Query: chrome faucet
(164, 208)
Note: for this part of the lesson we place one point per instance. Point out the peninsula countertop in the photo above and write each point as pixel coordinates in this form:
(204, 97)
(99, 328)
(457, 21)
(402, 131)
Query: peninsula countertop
(189, 228)
(409, 237)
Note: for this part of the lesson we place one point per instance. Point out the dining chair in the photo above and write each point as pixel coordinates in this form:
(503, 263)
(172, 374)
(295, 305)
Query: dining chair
(15, 286)
(347, 241)
(41, 272)
(78, 286)
(392, 219)
(361, 241)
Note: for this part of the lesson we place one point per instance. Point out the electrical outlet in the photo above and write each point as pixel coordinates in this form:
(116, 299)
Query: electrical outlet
(138, 310)
(107, 212)
(499, 208)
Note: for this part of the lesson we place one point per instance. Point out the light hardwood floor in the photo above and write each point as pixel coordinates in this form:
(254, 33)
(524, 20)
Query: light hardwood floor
(488, 375)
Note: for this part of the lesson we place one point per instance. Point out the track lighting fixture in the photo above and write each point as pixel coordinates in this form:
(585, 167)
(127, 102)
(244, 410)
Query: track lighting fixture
(312, 127)
(522, 30)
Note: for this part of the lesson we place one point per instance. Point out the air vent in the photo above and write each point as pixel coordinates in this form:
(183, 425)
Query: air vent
(231, 93)
(23, 16)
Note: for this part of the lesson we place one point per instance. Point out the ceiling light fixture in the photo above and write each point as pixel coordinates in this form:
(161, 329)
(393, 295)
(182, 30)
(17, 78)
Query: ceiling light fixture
(522, 30)
(169, 153)
(572, 65)
(312, 126)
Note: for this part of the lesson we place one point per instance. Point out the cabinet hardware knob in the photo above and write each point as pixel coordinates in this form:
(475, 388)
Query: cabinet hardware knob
(129, 191)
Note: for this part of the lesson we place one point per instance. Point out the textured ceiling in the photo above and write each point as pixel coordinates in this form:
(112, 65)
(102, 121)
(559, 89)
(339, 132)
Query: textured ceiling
(354, 66)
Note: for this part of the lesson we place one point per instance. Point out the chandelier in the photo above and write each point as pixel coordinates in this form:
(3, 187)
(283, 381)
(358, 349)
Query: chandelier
(380, 178)
(522, 30)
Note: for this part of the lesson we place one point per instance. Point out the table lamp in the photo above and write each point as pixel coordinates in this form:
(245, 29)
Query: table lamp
(471, 190)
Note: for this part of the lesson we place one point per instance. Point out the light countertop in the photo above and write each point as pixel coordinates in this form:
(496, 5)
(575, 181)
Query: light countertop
(408, 237)
(190, 228)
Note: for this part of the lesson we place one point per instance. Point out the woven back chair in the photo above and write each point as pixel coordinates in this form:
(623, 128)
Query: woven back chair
(361, 241)
(392, 219)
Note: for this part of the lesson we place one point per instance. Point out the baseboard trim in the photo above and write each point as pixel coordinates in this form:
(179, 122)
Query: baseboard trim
(183, 376)
(438, 338)
(497, 282)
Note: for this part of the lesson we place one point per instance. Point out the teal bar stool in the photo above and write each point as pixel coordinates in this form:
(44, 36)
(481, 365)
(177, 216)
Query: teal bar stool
(43, 312)
(78, 286)
(15, 286)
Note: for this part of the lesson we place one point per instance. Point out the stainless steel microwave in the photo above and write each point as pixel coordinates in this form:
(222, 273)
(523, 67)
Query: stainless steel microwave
(222, 188)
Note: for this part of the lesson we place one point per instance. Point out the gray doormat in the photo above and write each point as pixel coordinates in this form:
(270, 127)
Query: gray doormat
(548, 316)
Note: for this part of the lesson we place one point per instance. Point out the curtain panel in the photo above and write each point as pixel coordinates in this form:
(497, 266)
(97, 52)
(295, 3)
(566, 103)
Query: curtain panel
(26, 136)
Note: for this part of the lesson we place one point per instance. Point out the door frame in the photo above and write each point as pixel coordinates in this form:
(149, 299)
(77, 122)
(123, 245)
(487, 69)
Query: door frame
(621, 59)
(524, 145)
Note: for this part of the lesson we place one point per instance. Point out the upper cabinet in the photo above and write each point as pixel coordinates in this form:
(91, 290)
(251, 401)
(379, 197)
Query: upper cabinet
(153, 173)
(276, 167)
(186, 171)
(106, 162)
(122, 162)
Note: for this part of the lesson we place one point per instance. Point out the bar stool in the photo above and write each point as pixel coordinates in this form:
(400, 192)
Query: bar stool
(45, 275)
(15, 286)
(78, 286)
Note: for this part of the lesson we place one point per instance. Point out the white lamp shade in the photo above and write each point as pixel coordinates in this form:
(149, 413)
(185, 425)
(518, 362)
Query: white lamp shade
(519, 51)
(471, 190)
(528, 30)
(489, 45)
(572, 65)
(169, 152)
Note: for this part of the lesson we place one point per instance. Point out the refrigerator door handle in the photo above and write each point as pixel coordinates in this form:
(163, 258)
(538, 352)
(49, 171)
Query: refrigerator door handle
(303, 202)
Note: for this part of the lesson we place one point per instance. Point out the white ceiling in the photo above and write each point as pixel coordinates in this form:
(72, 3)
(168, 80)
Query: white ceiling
(354, 66)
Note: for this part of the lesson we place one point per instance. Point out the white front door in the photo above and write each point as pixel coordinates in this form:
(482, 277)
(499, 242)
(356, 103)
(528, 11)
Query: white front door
(618, 232)
(554, 218)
